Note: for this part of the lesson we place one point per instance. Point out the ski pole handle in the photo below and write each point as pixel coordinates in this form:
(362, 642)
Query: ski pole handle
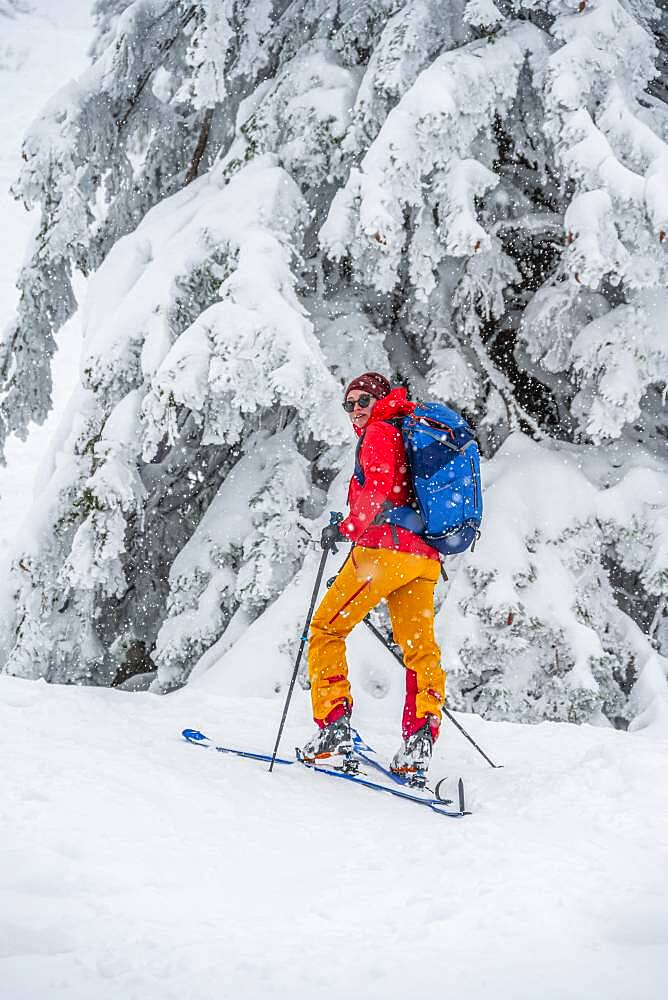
(331, 534)
(335, 517)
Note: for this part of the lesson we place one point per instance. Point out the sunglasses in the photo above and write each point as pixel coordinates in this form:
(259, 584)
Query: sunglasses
(362, 401)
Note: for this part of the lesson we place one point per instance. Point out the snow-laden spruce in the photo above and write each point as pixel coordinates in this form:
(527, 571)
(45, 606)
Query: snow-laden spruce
(10, 8)
(472, 196)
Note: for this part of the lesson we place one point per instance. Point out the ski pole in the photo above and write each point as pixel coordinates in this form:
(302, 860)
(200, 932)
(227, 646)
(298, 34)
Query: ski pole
(461, 729)
(334, 519)
(379, 635)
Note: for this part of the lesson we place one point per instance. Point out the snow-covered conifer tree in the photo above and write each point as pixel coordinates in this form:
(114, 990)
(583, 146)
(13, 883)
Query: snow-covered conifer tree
(470, 195)
(12, 7)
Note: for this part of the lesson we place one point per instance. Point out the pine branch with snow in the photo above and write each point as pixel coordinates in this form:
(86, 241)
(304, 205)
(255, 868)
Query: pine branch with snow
(273, 197)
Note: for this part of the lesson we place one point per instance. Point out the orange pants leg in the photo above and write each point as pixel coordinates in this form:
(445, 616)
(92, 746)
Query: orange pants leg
(365, 578)
(411, 610)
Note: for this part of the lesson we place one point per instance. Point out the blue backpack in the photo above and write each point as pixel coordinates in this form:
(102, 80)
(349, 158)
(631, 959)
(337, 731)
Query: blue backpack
(444, 463)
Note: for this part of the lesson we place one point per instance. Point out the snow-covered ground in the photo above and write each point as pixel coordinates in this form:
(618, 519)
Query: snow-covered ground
(40, 50)
(136, 867)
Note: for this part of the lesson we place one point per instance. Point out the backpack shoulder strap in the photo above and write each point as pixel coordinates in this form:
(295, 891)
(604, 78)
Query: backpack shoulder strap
(396, 422)
(359, 471)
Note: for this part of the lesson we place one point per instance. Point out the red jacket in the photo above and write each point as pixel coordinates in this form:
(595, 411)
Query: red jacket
(383, 459)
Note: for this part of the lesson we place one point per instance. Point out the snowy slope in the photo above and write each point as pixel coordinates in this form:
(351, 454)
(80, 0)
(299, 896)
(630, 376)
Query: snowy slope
(40, 50)
(136, 866)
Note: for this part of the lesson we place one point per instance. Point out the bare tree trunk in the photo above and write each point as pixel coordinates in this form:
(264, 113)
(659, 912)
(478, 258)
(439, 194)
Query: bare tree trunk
(200, 147)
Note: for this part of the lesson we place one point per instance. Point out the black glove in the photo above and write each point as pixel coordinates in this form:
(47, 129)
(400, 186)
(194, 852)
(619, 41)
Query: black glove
(331, 536)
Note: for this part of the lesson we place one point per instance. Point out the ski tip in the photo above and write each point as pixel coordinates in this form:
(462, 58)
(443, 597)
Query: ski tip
(193, 736)
(437, 793)
(359, 744)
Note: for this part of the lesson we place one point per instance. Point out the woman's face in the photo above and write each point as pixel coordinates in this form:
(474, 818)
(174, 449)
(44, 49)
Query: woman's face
(364, 404)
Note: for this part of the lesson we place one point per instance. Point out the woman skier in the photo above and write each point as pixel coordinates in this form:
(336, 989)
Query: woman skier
(386, 561)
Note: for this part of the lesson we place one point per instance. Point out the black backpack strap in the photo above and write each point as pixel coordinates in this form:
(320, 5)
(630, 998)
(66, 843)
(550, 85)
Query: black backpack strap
(359, 471)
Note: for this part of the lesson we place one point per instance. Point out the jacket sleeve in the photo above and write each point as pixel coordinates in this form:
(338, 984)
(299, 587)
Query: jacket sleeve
(378, 457)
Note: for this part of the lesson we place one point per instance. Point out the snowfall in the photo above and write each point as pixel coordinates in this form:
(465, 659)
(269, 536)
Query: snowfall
(134, 865)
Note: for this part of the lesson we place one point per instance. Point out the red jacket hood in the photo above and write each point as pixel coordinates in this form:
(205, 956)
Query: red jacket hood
(395, 404)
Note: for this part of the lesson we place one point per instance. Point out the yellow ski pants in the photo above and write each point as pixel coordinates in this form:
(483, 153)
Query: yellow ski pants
(407, 582)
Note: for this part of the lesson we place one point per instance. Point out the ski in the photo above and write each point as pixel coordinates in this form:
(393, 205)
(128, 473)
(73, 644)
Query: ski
(364, 752)
(198, 738)
(437, 805)
(368, 755)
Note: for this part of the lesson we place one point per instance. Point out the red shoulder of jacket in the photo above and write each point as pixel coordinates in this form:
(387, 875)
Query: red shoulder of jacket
(379, 437)
(380, 429)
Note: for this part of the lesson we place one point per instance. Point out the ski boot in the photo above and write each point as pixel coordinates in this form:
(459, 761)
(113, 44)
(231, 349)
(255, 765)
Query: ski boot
(412, 760)
(333, 740)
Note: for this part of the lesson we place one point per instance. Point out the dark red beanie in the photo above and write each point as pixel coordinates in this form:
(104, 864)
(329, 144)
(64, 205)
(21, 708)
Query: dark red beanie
(371, 382)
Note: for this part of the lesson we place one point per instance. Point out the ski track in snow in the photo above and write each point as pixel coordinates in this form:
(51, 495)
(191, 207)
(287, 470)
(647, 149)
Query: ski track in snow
(134, 865)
